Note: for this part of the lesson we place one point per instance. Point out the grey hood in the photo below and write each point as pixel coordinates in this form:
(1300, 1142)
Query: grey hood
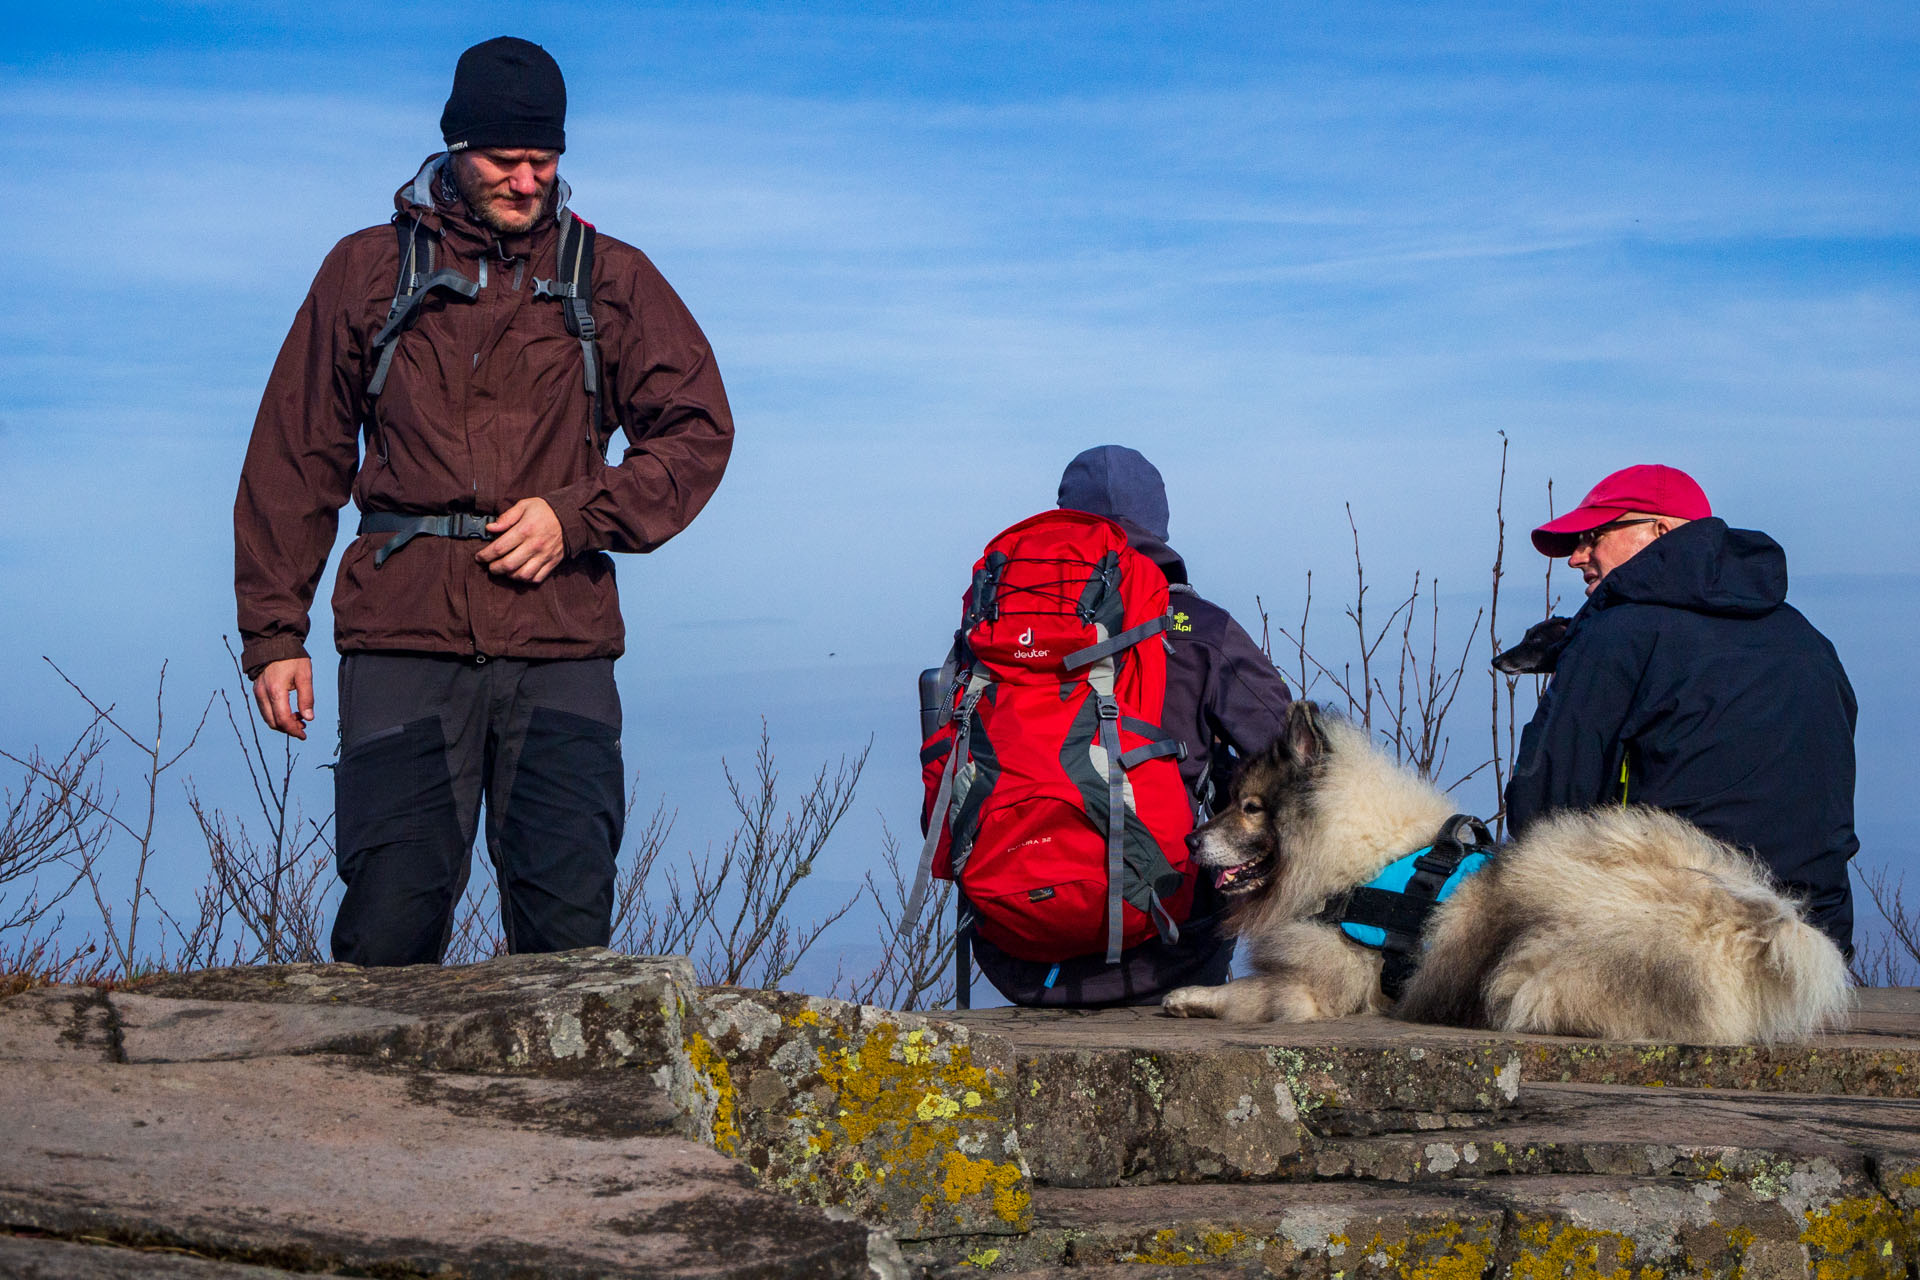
(1119, 483)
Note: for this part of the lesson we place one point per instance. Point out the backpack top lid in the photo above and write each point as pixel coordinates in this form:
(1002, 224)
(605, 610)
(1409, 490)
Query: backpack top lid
(1052, 585)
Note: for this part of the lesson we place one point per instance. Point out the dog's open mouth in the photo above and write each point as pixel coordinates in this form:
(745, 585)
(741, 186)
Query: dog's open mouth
(1245, 878)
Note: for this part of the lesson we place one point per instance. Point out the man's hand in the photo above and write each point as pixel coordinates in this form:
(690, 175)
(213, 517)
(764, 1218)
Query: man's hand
(527, 542)
(270, 689)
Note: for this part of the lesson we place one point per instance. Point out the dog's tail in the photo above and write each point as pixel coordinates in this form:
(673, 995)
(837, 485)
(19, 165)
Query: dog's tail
(1798, 978)
(1633, 924)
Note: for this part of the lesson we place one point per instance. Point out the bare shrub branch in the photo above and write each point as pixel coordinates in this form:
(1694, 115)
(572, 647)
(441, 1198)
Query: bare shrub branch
(1890, 959)
(47, 822)
(271, 885)
(915, 969)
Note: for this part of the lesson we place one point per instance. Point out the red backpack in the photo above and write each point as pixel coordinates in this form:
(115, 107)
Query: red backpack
(1054, 795)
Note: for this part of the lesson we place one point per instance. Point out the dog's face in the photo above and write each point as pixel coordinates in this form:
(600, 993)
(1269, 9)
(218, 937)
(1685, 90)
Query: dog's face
(1245, 844)
(1538, 652)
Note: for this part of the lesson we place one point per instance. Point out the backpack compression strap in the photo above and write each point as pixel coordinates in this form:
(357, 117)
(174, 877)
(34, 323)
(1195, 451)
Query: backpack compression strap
(573, 289)
(944, 801)
(417, 280)
(1389, 916)
(1097, 660)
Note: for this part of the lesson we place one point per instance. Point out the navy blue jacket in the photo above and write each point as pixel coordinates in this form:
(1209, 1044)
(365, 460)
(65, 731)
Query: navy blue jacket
(1728, 708)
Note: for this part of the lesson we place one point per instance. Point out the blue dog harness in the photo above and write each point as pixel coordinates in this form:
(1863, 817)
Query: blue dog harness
(1389, 912)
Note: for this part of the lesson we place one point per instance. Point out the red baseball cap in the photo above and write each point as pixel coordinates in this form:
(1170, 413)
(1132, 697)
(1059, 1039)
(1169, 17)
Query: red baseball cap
(1654, 489)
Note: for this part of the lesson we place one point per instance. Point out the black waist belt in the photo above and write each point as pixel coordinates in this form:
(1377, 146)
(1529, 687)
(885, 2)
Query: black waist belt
(459, 524)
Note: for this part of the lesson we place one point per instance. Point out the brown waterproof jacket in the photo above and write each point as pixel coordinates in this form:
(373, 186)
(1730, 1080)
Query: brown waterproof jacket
(485, 404)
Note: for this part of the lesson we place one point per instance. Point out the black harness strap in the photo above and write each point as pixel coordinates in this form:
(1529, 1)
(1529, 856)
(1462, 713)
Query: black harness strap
(1402, 915)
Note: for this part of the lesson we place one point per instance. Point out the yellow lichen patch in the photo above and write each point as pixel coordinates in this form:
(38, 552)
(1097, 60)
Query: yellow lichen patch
(1434, 1253)
(969, 1177)
(1555, 1252)
(805, 1018)
(1218, 1244)
(1163, 1252)
(937, 1106)
(713, 1067)
(983, 1258)
(1859, 1238)
(894, 1102)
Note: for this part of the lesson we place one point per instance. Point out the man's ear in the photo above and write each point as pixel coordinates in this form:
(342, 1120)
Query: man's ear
(1306, 737)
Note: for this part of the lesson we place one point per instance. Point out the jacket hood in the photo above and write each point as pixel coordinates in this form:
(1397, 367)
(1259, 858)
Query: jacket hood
(1703, 566)
(429, 196)
(1119, 483)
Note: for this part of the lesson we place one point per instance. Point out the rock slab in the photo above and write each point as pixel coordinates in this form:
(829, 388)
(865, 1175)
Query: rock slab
(324, 1163)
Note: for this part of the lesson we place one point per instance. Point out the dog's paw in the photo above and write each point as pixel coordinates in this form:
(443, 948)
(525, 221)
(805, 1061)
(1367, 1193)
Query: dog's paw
(1190, 1002)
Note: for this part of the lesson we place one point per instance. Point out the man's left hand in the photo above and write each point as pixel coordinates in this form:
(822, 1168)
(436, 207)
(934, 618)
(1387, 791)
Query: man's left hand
(527, 542)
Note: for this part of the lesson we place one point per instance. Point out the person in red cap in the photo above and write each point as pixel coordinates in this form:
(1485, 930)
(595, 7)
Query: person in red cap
(1623, 514)
(1688, 683)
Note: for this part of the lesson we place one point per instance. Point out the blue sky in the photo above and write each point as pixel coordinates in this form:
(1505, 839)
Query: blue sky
(1302, 256)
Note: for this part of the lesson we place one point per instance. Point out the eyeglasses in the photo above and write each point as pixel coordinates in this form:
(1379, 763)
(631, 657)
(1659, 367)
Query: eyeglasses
(1591, 538)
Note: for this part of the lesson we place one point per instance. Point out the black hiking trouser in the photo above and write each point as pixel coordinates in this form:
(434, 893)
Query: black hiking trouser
(422, 739)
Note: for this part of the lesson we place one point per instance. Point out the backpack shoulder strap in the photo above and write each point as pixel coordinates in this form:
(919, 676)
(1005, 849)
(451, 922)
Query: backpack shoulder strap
(417, 278)
(572, 287)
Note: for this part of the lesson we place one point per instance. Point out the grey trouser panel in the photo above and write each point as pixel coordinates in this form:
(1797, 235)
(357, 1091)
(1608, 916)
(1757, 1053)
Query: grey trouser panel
(423, 739)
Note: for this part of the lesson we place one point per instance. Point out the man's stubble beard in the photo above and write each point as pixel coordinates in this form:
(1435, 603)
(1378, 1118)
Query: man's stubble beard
(481, 205)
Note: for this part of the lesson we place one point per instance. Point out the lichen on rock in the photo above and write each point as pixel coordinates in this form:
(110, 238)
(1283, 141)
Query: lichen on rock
(904, 1120)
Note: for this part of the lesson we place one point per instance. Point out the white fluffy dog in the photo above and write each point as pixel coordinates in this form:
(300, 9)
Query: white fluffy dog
(1620, 923)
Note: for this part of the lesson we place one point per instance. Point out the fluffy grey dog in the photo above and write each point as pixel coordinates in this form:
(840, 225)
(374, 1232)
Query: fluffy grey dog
(1619, 923)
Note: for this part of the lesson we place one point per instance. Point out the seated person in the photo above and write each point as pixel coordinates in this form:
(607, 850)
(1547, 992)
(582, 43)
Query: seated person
(1688, 683)
(1224, 698)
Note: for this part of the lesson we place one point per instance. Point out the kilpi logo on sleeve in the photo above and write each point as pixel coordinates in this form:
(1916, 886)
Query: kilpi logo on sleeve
(1182, 622)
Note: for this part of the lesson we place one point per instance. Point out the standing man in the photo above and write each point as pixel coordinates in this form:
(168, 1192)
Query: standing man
(488, 343)
(1689, 683)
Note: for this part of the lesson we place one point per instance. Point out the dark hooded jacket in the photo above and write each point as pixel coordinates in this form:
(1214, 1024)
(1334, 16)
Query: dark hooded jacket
(1224, 699)
(1224, 696)
(485, 404)
(1724, 704)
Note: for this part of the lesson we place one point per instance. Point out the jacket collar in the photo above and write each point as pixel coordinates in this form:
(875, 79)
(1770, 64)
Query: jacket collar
(430, 196)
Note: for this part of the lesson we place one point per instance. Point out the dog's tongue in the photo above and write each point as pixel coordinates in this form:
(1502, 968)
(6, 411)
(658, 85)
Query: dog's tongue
(1226, 876)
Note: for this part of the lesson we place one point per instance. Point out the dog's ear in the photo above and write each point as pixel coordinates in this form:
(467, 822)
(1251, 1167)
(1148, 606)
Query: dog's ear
(1306, 737)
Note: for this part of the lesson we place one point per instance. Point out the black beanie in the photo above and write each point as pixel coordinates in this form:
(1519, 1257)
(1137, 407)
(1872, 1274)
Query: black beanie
(507, 92)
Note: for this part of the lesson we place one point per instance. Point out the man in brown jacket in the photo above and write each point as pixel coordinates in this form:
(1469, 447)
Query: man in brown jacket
(476, 612)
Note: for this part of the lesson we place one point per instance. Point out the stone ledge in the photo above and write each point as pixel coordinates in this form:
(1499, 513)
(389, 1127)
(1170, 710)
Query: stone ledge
(1877, 1054)
(944, 1130)
(1098, 1116)
(1509, 1227)
(905, 1120)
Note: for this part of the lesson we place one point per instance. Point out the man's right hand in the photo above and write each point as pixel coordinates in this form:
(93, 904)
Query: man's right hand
(270, 690)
